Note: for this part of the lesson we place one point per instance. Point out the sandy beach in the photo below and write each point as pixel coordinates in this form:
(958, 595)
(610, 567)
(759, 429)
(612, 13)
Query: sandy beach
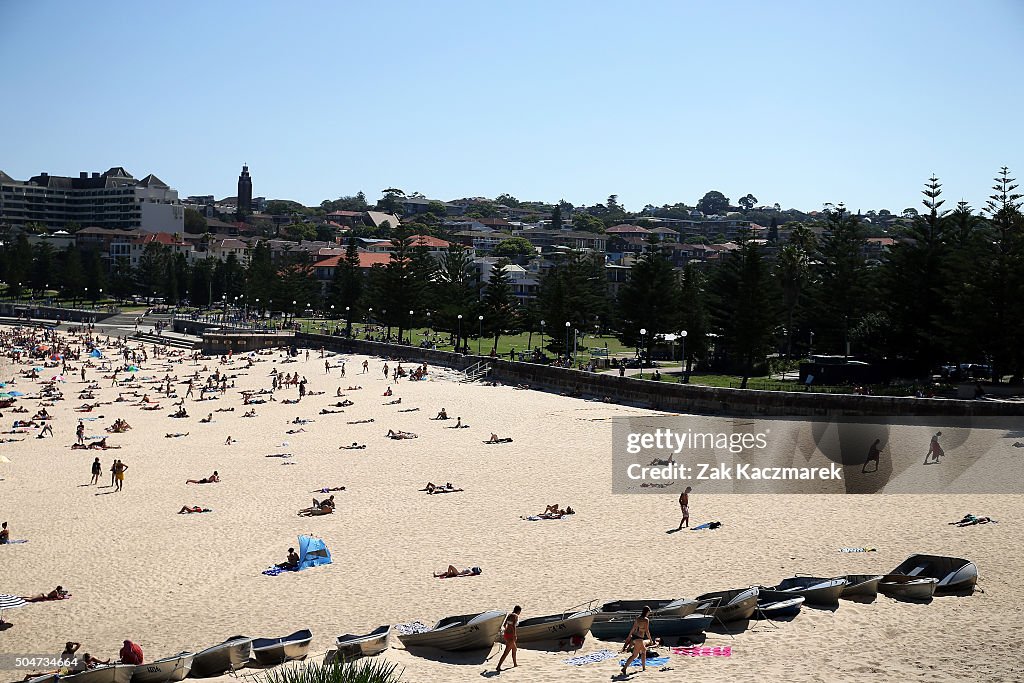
(171, 582)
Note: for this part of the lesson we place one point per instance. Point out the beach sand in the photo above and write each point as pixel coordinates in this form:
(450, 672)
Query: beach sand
(173, 582)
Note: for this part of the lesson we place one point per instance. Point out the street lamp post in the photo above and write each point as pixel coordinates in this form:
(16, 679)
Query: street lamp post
(682, 353)
(458, 338)
(411, 313)
(567, 326)
(348, 321)
(643, 333)
(542, 335)
(480, 336)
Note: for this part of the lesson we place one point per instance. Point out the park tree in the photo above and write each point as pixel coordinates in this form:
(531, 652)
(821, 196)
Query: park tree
(195, 222)
(72, 274)
(346, 288)
(714, 202)
(1004, 322)
(912, 283)
(259, 277)
(152, 270)
(745, 315)
(43, 270)
(584, 222)
(649, 300)
(748, 202)
(964, 276)
(391, 200)
(843, 288)
(573, 291)
(498, 303)
(513, 247)
(508, 200)
(793, 273)
(94, 270)
(556, 218)
(693, 315)
(437, 208)
(453, 293)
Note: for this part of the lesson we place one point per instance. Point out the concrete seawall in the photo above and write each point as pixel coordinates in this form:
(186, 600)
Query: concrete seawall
(683, 398)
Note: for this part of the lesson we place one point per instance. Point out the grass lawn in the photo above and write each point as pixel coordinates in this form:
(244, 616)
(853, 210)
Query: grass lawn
(519, 342)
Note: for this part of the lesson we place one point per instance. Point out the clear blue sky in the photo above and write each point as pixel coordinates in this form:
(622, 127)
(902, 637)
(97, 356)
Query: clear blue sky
(797, 102)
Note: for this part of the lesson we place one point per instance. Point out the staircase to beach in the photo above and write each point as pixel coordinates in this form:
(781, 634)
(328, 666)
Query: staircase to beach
(476, 372)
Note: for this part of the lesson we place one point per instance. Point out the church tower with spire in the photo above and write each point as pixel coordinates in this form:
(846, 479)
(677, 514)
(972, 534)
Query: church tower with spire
(244, 191)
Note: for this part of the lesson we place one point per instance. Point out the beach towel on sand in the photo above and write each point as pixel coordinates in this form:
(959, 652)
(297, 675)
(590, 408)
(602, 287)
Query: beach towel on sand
(274, 571)
(651, 661)
(699, 651)
(16, 540)
(592, 658)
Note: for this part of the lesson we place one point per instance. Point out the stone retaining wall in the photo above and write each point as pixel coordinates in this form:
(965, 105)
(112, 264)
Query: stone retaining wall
(684, 398)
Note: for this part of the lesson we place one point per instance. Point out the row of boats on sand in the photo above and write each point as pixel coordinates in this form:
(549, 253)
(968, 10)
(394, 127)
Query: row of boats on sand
(918, 578)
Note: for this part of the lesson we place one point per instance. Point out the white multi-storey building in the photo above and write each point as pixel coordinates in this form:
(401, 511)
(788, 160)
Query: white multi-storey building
(114, 199)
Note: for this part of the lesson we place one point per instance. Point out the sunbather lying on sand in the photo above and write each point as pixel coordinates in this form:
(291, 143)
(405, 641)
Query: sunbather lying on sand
(300, 430)
(324, 411)
(359, 422)
(494, 439)
(408, 410)
(401, 435)
(554, 510)
(57, 593)
(354, 447)
(432, 488)
(392, 403)
(343, 404)
(212, 479)
(452, 572)
(458, 424)
(353, 389)
(186, 510)
(971, 520)
(330, 489)
(250, 413)
(175, 435)
(102, 445)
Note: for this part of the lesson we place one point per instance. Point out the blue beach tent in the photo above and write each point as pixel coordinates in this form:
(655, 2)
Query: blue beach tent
(312, 552)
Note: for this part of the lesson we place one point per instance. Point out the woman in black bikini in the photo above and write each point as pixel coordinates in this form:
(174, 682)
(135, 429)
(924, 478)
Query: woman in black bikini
(640, 633)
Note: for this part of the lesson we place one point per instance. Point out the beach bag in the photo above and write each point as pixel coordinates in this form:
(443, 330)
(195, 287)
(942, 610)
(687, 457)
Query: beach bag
(476, 571)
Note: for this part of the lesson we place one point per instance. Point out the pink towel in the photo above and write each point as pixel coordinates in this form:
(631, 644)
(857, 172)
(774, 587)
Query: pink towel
(703, 651)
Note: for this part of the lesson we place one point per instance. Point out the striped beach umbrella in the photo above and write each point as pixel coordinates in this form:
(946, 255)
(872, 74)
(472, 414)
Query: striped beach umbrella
(9, 602)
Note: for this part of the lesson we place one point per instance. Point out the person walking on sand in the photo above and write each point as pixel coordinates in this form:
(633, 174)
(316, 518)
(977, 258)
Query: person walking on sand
(385, 371)
(97, 470)
(80, 432)
(366, 366)
(119, 475)
(343, 368)
(113, 473)
(639, 634)
(874, 453)
(327, 367)
(934, 449)
(684, 507)
(509, 634)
